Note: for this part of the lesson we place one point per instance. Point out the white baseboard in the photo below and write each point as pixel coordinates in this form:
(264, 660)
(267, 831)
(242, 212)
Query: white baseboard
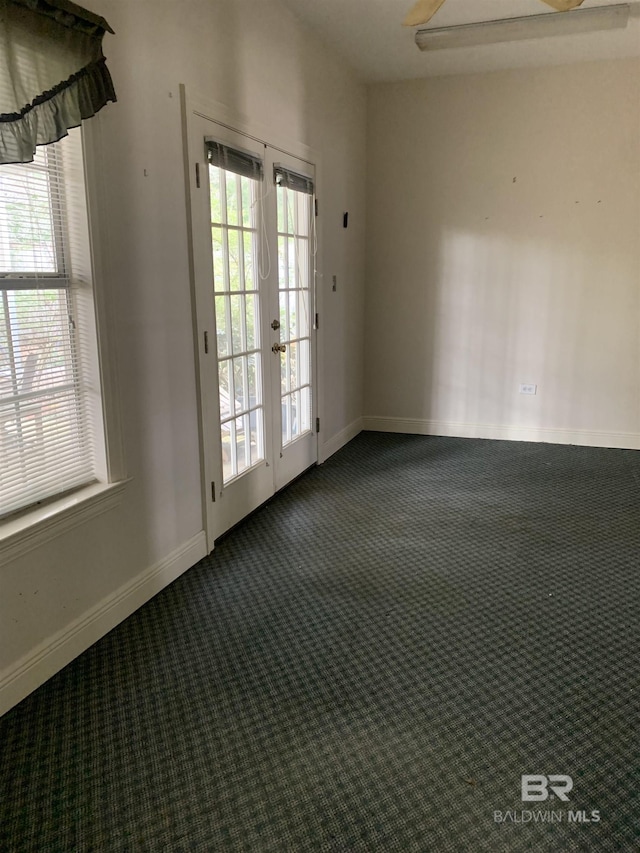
(50, 657)
(339, 440)
(586, 438)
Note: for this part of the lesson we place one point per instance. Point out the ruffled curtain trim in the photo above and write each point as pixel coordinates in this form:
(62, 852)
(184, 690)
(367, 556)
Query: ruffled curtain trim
(51, 115)
(68, 14)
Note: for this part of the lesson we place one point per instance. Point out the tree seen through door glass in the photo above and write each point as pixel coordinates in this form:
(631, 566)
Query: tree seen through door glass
(294, 213)
(234, 249)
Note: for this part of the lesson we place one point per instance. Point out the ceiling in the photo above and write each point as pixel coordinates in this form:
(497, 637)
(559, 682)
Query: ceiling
(369, 35)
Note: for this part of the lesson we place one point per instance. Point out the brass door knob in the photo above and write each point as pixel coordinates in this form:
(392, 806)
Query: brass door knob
(278, 348)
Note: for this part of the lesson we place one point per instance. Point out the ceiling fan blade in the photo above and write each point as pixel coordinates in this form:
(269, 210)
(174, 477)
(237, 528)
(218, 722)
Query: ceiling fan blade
(563, 5)
(422, 12)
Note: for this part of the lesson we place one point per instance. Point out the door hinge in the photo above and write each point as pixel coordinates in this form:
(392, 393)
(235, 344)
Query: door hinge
(317, 321)
(213, 491)
(315, 203)
(206, 342)
(317, 424)
(198, 175)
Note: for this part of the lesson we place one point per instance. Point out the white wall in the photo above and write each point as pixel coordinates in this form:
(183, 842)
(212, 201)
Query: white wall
(503, 247)
(254, 58)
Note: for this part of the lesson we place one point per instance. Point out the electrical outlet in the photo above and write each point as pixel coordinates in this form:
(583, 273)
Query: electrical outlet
(528, 389)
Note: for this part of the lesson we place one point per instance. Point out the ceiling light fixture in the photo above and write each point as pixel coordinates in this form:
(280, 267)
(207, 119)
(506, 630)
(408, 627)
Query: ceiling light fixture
(530, 27)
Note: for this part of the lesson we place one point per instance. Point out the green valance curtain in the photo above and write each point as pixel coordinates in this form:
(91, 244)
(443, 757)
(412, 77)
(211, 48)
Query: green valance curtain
(52, 73)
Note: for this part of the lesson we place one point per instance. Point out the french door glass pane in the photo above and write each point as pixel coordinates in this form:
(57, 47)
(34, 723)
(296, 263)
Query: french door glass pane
(294, 217)
(234, 244)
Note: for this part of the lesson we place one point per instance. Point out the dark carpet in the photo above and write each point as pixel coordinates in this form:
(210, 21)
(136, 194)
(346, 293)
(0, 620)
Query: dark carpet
(370, 662)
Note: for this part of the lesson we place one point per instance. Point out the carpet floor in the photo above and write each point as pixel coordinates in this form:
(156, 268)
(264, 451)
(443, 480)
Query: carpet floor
(370, 662)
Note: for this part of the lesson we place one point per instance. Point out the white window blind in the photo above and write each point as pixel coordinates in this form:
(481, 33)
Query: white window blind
(46, 434)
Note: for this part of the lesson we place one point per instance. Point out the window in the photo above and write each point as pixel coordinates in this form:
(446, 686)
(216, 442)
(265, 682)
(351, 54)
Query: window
(294, 292)
(50, 441)
(234, 232)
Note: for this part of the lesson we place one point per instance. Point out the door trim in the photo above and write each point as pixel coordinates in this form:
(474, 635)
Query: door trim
(195, 105)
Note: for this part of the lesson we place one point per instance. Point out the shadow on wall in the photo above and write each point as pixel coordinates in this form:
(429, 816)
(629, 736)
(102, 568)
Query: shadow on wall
(503, 250)
(534, 306)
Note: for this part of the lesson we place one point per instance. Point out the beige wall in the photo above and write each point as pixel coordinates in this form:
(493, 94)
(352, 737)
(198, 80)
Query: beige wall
(503, 247)
(255, 59)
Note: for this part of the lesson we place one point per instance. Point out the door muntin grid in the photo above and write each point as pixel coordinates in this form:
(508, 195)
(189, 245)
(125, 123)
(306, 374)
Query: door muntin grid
(234, 238)
(294, 295)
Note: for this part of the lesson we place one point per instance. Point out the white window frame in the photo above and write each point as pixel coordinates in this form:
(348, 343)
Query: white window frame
(33, 527)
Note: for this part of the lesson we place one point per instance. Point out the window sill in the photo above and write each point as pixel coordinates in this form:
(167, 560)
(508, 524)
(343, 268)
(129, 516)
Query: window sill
(36, 527)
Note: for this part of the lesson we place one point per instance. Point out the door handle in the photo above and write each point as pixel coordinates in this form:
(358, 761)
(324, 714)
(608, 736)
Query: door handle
(278, 348)
(275, 325)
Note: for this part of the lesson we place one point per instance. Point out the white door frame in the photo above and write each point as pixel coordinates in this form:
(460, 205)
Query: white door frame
(197, 105)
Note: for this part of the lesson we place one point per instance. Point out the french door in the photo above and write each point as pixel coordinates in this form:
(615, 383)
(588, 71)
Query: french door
(253, 234)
